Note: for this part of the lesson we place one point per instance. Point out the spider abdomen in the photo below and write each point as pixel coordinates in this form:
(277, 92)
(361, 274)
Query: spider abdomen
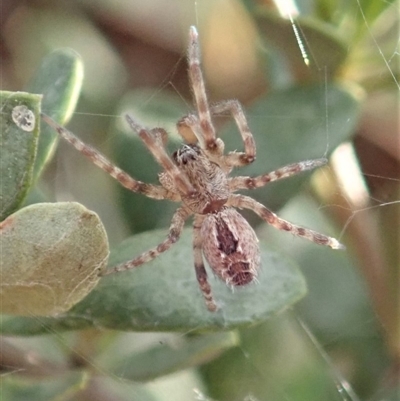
(230, 246)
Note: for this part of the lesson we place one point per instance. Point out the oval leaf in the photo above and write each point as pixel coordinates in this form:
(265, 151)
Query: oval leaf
(19, 388)
(59, 79)
(51, 257)
(166, 359)
(164, 295)
(19, 131)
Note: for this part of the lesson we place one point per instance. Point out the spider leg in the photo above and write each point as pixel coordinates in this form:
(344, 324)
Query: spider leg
(235, 159)
(160, 135)
(201, 273)
(212, 144)
(189, 129)
(241, 182)
(154, 140)
(175, 230)
(150, 190)
(245, 202)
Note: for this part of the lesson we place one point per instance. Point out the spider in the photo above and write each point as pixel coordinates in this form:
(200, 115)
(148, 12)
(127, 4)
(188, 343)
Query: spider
(197, 175)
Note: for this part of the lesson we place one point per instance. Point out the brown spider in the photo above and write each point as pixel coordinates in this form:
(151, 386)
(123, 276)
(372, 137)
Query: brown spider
(197, 176)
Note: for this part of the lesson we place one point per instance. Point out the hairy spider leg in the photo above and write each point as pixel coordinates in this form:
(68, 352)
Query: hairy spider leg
(175, 230)
(201, 273)
(150, 190)
(153, 144)
(243, 182)
(237, 159)
(209, 139)
(245, 202)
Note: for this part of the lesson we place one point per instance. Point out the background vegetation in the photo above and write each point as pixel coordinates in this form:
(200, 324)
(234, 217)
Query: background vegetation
(342, 340)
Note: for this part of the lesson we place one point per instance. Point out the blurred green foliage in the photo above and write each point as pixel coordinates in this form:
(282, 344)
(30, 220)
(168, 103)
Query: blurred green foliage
(332, 344)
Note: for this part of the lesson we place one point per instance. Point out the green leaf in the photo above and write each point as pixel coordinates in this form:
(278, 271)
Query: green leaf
(19, 131)
(51, 255)
(164, 295)
(17, 388)
(166, 359)
(295, 124)
(59, 80)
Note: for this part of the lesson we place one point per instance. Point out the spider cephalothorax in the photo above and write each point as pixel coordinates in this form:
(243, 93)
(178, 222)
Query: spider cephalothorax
(209, 182)
(197, 176)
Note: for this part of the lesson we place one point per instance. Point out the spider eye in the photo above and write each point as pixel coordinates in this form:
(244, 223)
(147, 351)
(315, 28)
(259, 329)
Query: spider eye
(186, 153)
(195, 148)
